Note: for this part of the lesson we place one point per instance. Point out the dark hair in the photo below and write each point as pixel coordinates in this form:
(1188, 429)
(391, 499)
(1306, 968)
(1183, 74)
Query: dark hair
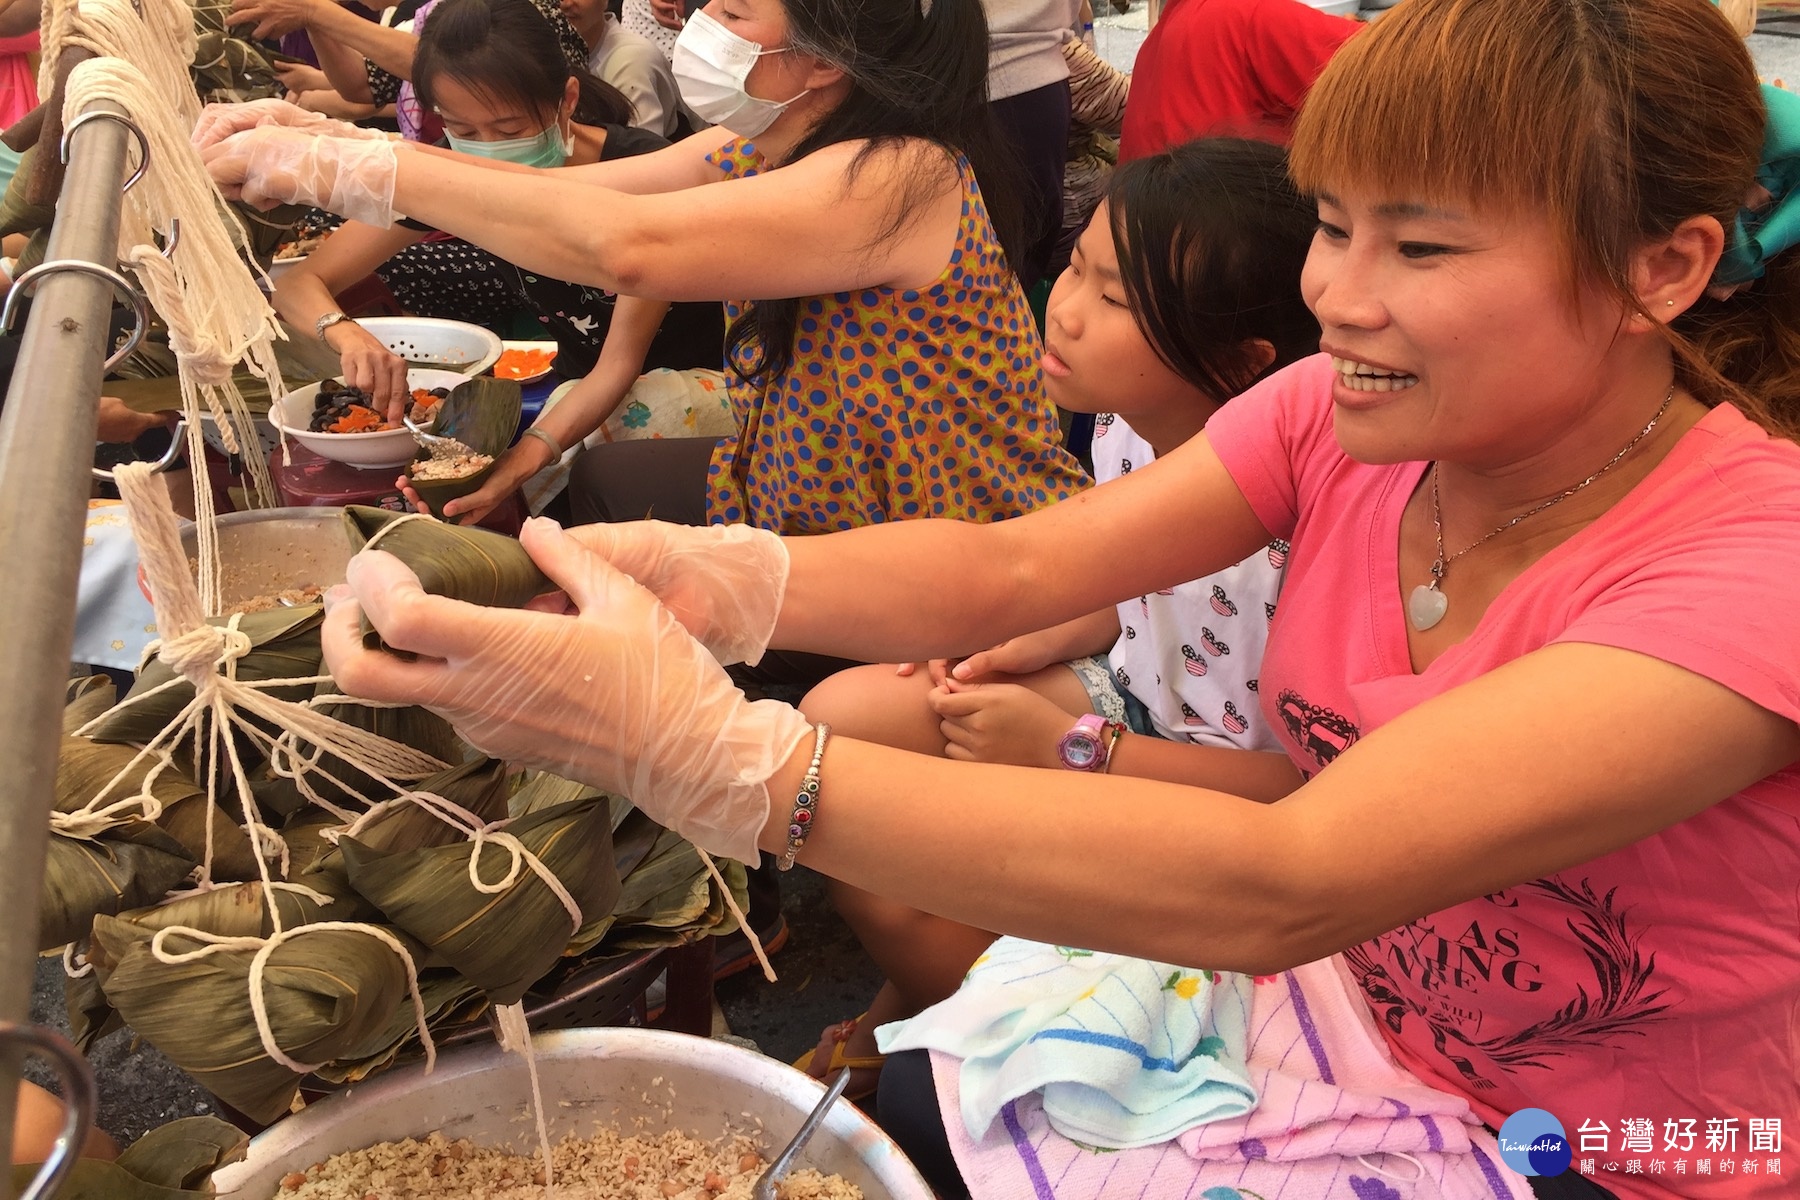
(510, 52)
(1211, 237)
(1617, 120)
(916, 71)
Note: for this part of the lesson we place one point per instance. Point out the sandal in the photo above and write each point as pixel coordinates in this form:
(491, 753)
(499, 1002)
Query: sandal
(840, 1035)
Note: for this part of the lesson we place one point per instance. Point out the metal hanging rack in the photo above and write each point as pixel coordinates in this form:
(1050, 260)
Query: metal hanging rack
(46, 451)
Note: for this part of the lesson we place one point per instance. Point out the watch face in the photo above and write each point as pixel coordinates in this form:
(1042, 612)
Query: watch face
(1080, 750)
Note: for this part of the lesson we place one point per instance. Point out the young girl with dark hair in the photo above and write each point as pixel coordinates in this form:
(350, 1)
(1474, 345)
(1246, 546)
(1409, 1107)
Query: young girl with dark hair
(1183, 291)
(888, 367)
(492, 71)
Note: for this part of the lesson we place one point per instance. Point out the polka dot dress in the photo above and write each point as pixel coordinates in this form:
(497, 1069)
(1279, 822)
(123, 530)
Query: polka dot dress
(899, 403)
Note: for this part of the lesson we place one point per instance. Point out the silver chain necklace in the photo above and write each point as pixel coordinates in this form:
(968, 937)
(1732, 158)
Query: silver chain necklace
(1428, 604)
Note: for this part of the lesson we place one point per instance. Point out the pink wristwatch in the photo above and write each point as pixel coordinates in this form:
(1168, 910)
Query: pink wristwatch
(1088, 746)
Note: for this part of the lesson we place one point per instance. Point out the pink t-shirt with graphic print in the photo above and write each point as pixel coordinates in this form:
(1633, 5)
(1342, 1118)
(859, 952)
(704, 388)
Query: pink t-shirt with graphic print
(1654, 991)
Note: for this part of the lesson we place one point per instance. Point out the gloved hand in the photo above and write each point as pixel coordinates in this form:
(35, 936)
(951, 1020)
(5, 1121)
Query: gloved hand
(615, 694)
(219, 121)
(269, 165)
(723, 582)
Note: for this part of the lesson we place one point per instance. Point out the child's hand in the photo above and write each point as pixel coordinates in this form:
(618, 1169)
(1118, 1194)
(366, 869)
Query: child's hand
(999, 723)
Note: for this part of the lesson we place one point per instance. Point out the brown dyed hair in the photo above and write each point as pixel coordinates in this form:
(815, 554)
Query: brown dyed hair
(1616, 119)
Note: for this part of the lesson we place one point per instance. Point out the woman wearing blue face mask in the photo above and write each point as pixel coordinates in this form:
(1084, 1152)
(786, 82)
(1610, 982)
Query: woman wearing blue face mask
(493, 72)
(885, 365)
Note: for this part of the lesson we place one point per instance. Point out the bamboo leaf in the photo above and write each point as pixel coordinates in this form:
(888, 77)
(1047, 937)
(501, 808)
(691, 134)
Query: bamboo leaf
(482, 414)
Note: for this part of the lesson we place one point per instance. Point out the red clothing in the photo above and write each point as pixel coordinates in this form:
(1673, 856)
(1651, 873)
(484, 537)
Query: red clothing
(18, 82)
(1651, 995)
(1226, 68)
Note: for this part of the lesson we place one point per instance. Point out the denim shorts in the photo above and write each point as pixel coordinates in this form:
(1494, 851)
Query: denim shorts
(1108, 698)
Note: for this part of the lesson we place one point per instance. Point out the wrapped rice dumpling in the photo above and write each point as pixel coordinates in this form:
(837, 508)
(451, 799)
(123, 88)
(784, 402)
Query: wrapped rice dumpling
(131, 865)
(482, 414)
(326, 992)
(459, 561)
(502, 942)
(171, 1162)
(416, 727)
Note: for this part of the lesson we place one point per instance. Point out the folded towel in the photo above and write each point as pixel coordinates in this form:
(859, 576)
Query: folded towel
(1124, 1052)
(1337, 1119)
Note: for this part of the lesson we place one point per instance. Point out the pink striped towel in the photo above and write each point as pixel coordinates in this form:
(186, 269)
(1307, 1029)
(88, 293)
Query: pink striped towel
(1337, 1119)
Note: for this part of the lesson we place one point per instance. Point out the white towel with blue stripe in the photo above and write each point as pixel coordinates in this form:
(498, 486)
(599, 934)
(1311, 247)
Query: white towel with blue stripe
(1125, 1052)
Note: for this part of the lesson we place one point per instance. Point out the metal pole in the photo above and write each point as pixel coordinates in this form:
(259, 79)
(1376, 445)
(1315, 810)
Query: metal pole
(46, 447)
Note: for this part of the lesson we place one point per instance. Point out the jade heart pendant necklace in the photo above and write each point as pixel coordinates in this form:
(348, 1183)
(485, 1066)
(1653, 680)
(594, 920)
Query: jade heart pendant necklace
(1427, 604)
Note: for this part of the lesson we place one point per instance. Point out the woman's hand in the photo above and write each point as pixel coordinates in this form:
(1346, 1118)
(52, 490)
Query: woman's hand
(520, 462)
(615, 694)
(300, 77)
(999, 723)
(372, 367)
(121, 424)
(272, 18)
(269, 166)
(724, 583)
(219, 121)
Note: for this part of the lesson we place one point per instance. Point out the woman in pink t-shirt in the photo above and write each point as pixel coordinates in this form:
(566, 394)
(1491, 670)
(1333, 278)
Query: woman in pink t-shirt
(1540, 505)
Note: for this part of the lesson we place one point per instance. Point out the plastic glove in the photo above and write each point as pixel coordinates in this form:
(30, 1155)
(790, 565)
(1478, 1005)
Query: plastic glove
(268, 166)
(219, 121)
(723, 582)
(615, 694)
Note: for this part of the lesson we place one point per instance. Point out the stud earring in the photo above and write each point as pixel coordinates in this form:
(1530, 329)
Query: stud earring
(1670, 303)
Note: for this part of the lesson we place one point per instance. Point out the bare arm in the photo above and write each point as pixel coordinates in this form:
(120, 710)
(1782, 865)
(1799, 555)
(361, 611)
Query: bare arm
(797, 231)
(309, 291)
(343, 67)
(671, 169)
(588, 404)
(877, 593)
(20, 17)
(1463, 796)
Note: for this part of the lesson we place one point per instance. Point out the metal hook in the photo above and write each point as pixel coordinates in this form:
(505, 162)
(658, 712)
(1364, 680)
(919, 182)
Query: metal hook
(78, 1116)
(140, 307)
(100, 114)
(174, 238)
(160, 465)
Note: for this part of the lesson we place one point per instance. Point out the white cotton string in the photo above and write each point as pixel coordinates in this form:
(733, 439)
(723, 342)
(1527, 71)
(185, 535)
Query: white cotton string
(731, 903)
(264, 947)
(396, 523)
(515, 1038)
(162, 41)
(203, 288)
(75, 966)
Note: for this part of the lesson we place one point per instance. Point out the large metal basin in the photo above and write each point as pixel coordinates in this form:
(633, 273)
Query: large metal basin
(707, 1089)
(271, 549)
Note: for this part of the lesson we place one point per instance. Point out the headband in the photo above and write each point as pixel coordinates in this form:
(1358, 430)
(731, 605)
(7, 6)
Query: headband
(1766, 230)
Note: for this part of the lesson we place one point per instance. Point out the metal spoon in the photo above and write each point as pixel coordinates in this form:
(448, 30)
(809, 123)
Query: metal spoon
(765, 1187)
(440, 447)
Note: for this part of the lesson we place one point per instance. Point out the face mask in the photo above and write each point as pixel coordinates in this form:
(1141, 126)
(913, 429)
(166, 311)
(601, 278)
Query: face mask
(711, 64)
(550, 148)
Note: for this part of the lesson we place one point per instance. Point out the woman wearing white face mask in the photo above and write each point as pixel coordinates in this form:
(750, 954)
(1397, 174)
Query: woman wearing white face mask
(888, 367)
(492, 72)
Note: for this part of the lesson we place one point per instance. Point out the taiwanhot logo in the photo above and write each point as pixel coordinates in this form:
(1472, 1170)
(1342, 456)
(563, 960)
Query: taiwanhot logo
(1532, 1142)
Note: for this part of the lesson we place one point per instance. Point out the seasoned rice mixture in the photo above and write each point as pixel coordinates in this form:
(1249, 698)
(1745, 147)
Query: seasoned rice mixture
(607, 1166)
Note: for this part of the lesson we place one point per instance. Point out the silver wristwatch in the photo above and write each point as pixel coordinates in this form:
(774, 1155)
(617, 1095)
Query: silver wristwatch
(327, 321)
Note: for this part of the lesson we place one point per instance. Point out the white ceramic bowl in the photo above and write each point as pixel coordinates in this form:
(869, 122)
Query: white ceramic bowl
(646, 1079)
(452, 345)
(387, 448)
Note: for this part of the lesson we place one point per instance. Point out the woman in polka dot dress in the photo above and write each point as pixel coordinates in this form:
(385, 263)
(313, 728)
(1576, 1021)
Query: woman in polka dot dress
(852, 189)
